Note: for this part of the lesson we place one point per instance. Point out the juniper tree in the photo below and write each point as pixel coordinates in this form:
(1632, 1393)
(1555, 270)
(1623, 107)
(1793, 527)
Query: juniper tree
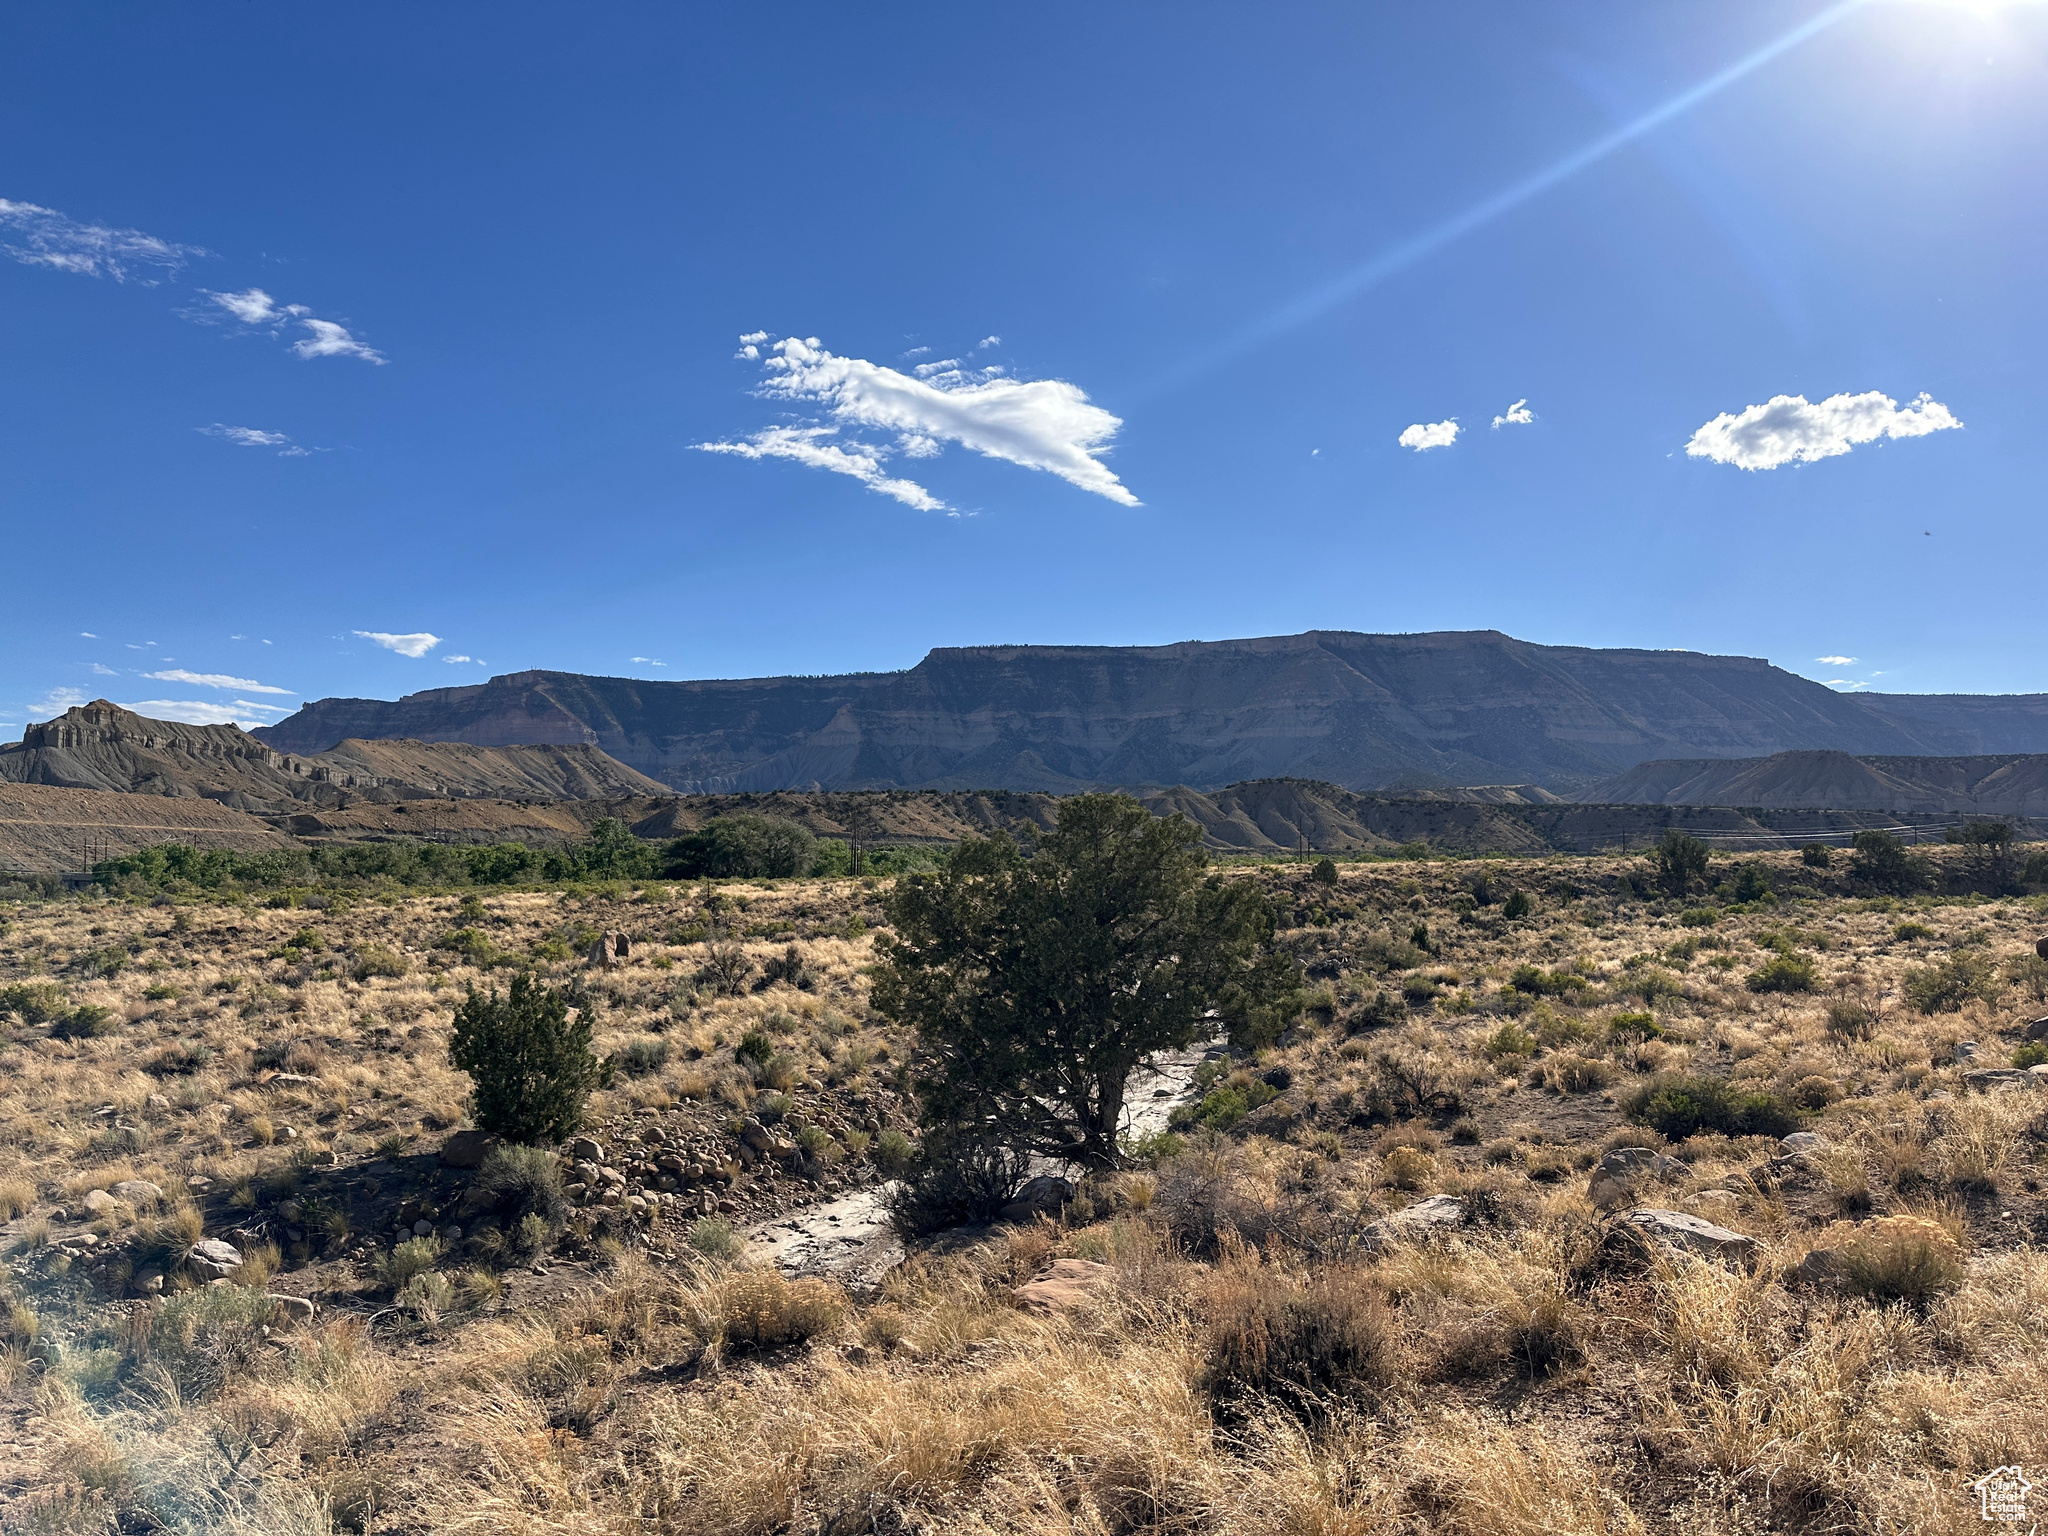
(531, 1062)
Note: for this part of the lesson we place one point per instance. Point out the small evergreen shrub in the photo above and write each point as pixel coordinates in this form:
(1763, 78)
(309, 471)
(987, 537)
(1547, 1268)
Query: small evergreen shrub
(530, 1062)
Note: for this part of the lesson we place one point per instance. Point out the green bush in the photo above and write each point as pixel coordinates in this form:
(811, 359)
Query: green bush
(1698, 917)
(2031, 1055)
(1537, 982)
(1634, 1026)
(206, 1338)
(1882, 861)
(715, 1238)
(1677, 1107)
(33, 1002)
(475, 946)
(531, 1063)
(1518, 904)
(1682, 860)
(1816, 855)
(414, 1256)
(956, 1178)
(892, 1152)
(1944, 988)
(88, 1021)
(743, 846)
(522, 1182)
(754, 1046)
(1784, 973)
(1907, 932)
(379, 960)
(1509, 1040)
(647, 1054)
(1850, 1020)
(1324, 872)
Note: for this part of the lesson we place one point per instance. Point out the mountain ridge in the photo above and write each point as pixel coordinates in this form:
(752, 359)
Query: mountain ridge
(1368, 712)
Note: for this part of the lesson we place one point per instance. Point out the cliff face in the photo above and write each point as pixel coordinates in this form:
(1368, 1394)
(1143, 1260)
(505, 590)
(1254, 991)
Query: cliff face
(1364, 711)
(101, 746)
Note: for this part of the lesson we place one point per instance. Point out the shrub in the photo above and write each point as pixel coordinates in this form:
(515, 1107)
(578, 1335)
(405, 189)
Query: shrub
(1944, 988)
(788, 966)
(523, 1182)
(2031, 1055)
(179, 1059)
(1698, 917)
(1518, 904)
(1901, 1258)
(1509, 1040)
(1298, 1337)
(955, 1178)
(771, 1107)
(761, 1310)
(1882, 861)
(1681, 860)
(715, 1238)
(33, 1002)
(647, 1054)
(1651, 983)
(2035, 870)
(1848, 1019)
(531, 1063)
(206, 1338)
(1678, 1107)
(1784, 973)
(744, 846)
(1569, 1072)
(379, 960)
(475, 946)
(1408, 1167)
(88, 1021)
(1634, 1026)
(411, 1258)
(754, 1046)
(725, 969)
(892, 1152)
(1325, 872)
(1815, 1091)
(1816, 855)
(1907, 932)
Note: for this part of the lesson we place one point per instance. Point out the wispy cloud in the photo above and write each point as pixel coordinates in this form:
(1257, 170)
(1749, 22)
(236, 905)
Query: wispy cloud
(802, 444)
(86, 634)
(206, 711)
(48, 239)
(256, 437)
(649, 661)
(406, 645)
(1516, 415)
(1791, 429)
(56, 701)
(99, 671)
(1425, 435)
(452, 660)
(213, 680)
(1043, 424)
(1836, 661)
(988, 341)
(253, 307)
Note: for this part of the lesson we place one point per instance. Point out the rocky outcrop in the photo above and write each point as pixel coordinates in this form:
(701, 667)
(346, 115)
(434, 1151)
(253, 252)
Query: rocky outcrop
(101, 746)
(1361, 711)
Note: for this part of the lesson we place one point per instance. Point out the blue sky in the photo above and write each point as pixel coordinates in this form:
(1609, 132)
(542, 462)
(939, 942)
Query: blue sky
(323, 326)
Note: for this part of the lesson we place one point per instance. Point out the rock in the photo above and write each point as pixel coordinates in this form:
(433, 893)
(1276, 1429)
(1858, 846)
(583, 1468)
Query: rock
(1820, 1267)
(423, 1228)
(1043, 1195)
(150, 1282)
(451, 1233)
(2038, 1071)
(2037, 1029)
(1983, 1080)
(157, 1101)
(1675, 1229)
(1967, 1051)
(137, 1191)
(728, 1208)
(1713, 1199)
(212, 1259)
(610, 949)
(1804, 1141)
(1438, 1213)
(80, 1240)
(99, 1202)
(1062, 1285)
(1614, 1176)
(288, 1133)
(468, 1149)
(292, 1309)
(584, 1150)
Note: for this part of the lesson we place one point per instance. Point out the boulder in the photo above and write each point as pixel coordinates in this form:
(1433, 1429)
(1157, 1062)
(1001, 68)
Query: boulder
(1983, 1080)
(99, 1202)
(1968, 1051)
(292, 1309)
(1438, 1213)
(610, 949)
(150, 1282)
(584, 1150)
(1614, 1176)
(212, 1259)
(2036, 1029)
(1804, 1141)
(137, 1191)
(1063, 1285)
(468, 1149)
(1043, 1195)
(756, 1135)
(1712, 1199)
(1692, 1234)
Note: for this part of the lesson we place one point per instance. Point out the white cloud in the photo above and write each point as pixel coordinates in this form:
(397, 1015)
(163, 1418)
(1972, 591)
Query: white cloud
(988, 341)
(1516, 415)
(406, 645)
(1845, 682)
(1425, 435)
(213, 680)
(57, 700)
(256, 437)
(753, 338)
(331, 340)
(861, 462)
(1836, 661)
(86, 634)
(49, 239)
(1790, 428)
(649, 661)
(1044, 424)
(253, 306)
(205, 711)
(99, 671)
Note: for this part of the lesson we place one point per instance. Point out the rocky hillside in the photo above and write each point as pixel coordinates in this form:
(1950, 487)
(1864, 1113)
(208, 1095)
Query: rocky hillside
(105, 747)
(46, 830)
(1998, 785)
(1389, 712)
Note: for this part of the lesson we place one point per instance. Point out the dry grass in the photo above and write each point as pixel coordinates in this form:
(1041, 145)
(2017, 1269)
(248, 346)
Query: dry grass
(1246, 1368)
